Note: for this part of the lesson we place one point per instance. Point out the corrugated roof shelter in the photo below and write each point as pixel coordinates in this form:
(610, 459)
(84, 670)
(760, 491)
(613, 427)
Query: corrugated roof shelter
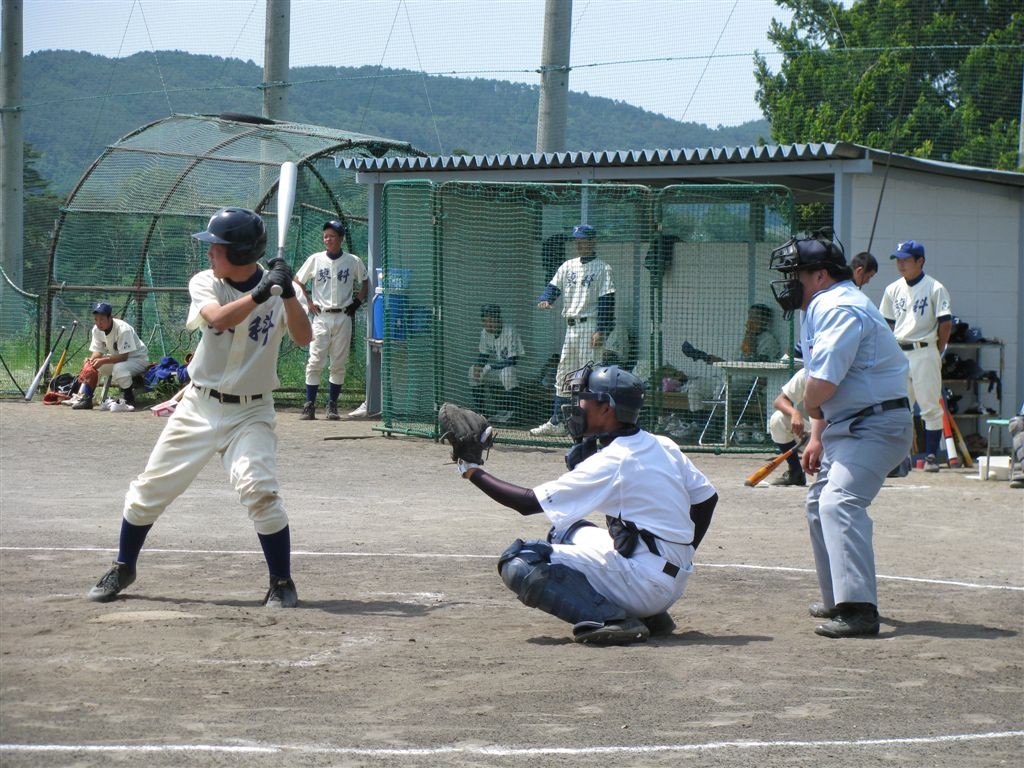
(970, 219)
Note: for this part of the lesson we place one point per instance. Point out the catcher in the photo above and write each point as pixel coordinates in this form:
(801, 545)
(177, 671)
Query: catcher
(613, 585)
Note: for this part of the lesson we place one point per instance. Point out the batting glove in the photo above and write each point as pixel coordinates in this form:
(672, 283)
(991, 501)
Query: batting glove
(262, 291)
(350, 310)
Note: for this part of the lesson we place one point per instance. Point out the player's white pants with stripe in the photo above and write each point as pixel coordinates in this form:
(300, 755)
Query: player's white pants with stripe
(332, 337)
(638, 583)
(577, 350)
(121, 374)
(242, 433)
(505, 376)
(781, 428)
(924, 383)
(857, 454)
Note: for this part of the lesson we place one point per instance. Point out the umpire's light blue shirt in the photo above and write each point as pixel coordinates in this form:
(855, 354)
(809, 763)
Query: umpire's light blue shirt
(847, 342)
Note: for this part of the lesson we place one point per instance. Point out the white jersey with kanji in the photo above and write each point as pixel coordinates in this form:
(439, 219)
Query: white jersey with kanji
(916, 309)
(642, 478)
(241, 360)
(120, 339)
(333, 279)
(506, 344)
(581, 284)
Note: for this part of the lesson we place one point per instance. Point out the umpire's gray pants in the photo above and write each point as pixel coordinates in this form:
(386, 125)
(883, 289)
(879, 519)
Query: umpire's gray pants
(857, 454)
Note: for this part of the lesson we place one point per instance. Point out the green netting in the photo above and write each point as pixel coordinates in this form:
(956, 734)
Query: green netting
(688, 263)
(123, 235)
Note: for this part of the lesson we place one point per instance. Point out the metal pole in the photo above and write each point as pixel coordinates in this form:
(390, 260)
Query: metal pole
(554, 76)
(12, 152)
(1020, 132)
(275, 59)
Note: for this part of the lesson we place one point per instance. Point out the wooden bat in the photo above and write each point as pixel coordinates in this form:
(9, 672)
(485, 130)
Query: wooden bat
(947, 433)
(772, 465)
(64, 354)
(968, 461)
(42, 369)
(285, 202)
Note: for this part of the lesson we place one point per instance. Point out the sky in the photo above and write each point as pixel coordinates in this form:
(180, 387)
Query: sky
(689, 60)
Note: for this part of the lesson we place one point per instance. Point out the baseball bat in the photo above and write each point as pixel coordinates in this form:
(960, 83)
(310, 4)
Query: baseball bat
(285, 202)
(64, 354)
(42, 369)
(947, 433)
(106, 388)
(967, 460)
(771, 466)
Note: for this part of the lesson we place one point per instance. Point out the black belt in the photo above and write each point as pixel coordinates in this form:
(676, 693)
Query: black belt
(333, 310)
(571, 321)
(228, 398)
(887, 405)
(905, 345)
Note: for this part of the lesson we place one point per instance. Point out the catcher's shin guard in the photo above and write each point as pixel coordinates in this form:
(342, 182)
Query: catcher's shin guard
(526, 569)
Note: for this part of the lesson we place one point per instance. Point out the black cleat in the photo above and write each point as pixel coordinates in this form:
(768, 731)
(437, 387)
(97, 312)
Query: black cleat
(281, 594)
(85, 404)
(821, 611)
(853, 620)
(621, 632)
(659, 624)
(116, 579)
(308, 412)
(789, 477)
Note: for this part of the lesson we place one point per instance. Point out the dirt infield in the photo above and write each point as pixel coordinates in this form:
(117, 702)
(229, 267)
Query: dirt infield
(407, 649)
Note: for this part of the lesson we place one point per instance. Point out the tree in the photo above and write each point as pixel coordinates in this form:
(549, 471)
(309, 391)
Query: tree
(41, 208)
(938, 79)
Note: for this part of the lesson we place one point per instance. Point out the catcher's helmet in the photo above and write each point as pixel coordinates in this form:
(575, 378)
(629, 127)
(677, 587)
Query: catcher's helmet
(622, 390)
(337, 226)
(241, 230)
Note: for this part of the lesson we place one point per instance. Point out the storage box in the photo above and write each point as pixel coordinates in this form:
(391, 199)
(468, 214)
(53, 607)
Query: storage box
(994, 468)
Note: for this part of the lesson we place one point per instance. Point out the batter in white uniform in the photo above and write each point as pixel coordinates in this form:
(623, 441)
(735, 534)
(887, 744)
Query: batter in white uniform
(117, 351)
(613, 585)
(229, 407)
(787, 424)
(333, 273)
(917, 308)
(588, 306)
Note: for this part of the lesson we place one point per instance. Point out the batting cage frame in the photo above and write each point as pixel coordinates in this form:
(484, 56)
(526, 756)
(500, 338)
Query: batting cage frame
(690, 270)
(123, 234)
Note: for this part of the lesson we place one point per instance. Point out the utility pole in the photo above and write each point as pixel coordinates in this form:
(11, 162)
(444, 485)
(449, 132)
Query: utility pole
(277, 33)
(554, 76)
(12, 152)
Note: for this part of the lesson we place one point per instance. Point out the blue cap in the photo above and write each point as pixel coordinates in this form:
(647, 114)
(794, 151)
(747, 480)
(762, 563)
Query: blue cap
(102, 308)
(584, 232)
(907, 249)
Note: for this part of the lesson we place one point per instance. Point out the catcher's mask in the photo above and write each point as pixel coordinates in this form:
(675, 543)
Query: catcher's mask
(818, 251)
(610, 384)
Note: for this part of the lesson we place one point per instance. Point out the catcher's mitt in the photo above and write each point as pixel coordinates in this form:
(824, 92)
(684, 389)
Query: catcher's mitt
(466, 431)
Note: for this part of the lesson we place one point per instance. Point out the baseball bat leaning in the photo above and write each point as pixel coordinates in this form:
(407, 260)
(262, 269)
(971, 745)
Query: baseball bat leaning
(285, 202)
(42, 369)
(106, 388)
(64, 355)
(772, 465)
(965, 454)
(947, 433)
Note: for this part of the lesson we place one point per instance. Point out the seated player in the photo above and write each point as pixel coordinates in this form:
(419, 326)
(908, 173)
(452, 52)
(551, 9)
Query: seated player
(499, 350)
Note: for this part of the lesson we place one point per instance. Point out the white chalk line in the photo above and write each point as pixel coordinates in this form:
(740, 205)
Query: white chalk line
(504, 751)
(461, 556)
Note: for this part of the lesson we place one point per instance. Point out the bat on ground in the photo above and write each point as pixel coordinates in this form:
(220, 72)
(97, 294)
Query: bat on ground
(285, 202)
(64, 355)
(772, 465)
(42, 369)
(947, 433)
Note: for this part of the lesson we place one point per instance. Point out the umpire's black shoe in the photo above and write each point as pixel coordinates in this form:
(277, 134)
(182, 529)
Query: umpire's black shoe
(821, 611)
(85, 404)
(281, 594)
(854, 620)
(659, 624)
(621, 632)
(117, 578)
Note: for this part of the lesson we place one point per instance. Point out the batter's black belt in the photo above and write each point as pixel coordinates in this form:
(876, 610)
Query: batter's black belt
(224, 398)
(334, 310)
(571, 321)
(907, 345)
(886, 405)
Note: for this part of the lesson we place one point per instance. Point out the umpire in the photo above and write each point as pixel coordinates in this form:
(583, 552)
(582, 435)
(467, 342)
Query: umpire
(856, 397)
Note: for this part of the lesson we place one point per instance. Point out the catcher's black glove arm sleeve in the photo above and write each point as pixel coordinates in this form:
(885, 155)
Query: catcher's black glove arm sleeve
(522, 500)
